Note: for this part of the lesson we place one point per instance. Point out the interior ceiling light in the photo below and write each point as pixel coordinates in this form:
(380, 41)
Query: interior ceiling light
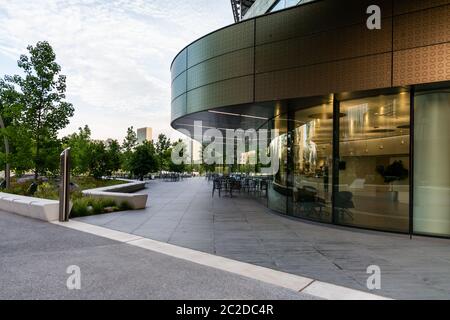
(238, 115)
(325, 116)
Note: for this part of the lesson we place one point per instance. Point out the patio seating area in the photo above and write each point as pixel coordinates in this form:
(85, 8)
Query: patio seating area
(235, 184)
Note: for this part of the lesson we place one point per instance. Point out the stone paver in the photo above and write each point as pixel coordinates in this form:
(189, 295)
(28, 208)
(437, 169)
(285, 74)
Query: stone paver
(242, 228)
(34, 257)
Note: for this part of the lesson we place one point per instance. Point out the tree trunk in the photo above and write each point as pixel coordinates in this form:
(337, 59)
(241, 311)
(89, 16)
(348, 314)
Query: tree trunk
(38, 136)
(7, 166)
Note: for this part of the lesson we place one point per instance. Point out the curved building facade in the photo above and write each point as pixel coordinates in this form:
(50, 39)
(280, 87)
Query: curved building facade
(363, 114)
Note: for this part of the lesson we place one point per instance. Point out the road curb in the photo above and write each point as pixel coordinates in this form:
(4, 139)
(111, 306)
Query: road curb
(297, 283)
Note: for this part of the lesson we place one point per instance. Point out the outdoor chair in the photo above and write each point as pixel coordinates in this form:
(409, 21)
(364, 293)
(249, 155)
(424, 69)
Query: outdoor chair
(217, 185)
(252, 186)
(308, 202)
(245, 185)
(344, 202)
(263, 188)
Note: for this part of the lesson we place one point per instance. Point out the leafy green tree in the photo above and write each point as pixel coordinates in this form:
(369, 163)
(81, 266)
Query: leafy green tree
(43, 98)
(162, 144)
(15, 147)
(163, 152)
(128, 146)
(144, 160)
(98, 160)
(104, 159)
(79, 143)
(179, 146)
(130, 141)
(114, 155)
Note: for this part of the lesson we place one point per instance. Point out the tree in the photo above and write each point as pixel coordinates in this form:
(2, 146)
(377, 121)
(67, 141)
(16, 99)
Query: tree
(130, 141)
(177, 167)
(114, 156)
(15, 151)
(103, 159)
(144, 160)
(98, 160)
(43, 98)
(79, 144)
(162, 144)
(163, 152)
(128, 146)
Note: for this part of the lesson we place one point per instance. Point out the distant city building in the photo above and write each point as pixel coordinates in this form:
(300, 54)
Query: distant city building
(144, 134)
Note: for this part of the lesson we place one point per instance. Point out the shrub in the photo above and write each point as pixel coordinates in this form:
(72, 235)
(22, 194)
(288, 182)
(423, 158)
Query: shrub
(47, 191)
(124, 206)
(92, 206)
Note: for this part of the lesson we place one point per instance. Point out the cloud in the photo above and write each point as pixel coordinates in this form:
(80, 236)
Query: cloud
(116, 53)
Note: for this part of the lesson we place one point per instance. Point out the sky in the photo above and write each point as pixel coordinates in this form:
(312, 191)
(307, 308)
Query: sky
(116, 54)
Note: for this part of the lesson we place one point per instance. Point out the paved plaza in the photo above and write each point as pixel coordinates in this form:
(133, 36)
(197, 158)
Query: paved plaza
(242, 228)
(34, 257)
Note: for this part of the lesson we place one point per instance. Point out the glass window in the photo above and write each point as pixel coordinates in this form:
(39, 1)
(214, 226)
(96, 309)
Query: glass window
(278, 190)
(374, 163)
(312, 157)
(283, 4)
(431, 163)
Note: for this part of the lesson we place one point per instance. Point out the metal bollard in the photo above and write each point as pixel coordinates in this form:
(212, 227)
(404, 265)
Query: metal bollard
(64, 191)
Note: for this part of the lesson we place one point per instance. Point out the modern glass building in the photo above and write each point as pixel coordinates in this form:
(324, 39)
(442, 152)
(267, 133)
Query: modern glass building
(363, 114)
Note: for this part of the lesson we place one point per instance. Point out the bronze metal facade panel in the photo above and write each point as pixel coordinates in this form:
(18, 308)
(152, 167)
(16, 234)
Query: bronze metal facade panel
(422, 28)
(231, 65)
(224, 93)
(235, 37)
(405, 6)
(343, 43)
(314, 49)
(179, 64)
(315, 17)
(422, 65)
(357, 74)
(179, 85)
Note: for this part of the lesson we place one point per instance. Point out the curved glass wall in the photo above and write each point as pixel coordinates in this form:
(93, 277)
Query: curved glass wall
(372, 173)
(279, 191)
(312, 163)
(373, 190)
(432, 163)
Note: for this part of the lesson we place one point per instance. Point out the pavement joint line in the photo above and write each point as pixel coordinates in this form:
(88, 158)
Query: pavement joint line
(293, 282)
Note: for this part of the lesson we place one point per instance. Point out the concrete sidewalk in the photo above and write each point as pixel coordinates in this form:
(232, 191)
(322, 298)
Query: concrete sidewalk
(243, 229)
(34, 257)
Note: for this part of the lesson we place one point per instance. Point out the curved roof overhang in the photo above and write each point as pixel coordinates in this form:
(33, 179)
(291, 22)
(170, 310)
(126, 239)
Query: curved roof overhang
(240, 75)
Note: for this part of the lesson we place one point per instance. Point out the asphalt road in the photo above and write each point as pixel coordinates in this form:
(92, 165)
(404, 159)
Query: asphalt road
(34, 257)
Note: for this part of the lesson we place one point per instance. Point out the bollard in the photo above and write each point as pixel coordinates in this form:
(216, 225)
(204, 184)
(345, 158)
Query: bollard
(64, 192)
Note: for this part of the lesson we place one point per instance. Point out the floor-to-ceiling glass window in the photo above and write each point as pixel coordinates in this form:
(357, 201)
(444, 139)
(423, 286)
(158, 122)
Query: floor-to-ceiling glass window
(312, 163)
(374, 163)
(278, 190)
(432, 163)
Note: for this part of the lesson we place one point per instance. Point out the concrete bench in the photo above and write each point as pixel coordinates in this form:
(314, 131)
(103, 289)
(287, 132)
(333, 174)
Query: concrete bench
(42, 209)
(121, 193)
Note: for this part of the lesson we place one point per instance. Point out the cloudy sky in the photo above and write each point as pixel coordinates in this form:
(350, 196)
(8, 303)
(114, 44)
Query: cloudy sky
(116, 53)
